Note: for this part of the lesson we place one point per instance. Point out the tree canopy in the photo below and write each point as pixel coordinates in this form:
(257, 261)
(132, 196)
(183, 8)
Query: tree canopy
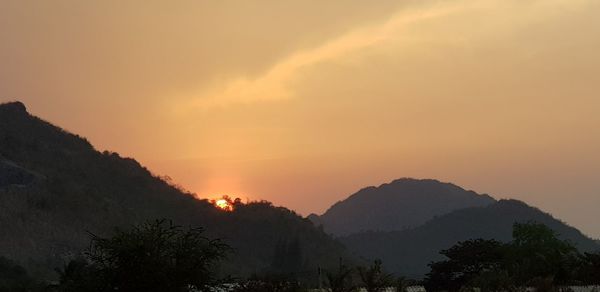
(154, 256)
(535, 256)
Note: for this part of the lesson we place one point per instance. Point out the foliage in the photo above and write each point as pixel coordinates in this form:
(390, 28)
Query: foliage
(589, 269)
(466, 261)
(537, 252)
(268, 284)
(374, 278)
(402, 283)
(499, 280)
(408, 252)
(536, 257)
(340, 280)
(155, 256)
(543, 284)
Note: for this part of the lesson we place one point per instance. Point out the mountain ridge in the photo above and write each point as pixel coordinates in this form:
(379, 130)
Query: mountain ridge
(54, 187)
(401, 204)
(408, 252)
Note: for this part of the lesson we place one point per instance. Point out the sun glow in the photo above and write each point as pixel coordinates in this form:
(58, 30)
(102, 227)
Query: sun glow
(225, 203)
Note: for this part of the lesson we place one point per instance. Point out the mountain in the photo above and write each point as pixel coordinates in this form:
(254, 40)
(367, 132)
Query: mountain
(399, 205)
(55, 188)
(409, 252)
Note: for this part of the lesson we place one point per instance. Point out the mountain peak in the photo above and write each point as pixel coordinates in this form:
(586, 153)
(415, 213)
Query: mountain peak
(415, 180)
(14, 106)
(398, 205)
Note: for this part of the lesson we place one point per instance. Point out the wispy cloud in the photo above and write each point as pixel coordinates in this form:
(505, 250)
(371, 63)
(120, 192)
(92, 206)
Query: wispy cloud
(274, 83)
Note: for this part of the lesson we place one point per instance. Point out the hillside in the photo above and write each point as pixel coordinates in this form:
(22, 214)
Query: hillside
(408, 252)
(399, 205)
(54, 187)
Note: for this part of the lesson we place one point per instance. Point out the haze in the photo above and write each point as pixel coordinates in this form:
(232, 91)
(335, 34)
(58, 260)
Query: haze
(304, 102)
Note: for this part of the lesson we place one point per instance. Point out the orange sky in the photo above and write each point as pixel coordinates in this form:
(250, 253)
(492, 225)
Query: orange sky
(304, 102)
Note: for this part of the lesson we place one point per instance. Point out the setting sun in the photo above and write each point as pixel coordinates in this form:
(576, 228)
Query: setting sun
(224, 204)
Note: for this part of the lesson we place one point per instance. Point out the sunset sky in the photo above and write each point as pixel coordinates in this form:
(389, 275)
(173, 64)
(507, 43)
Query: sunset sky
(303, 103)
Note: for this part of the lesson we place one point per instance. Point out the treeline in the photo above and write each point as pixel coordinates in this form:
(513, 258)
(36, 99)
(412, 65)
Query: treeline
(162, 257)
(159, 256)
(535, 257)
(154, 256)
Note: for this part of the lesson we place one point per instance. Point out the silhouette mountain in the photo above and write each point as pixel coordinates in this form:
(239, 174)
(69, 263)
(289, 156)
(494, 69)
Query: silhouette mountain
(399, 205)
(55, 188)
(409, 252)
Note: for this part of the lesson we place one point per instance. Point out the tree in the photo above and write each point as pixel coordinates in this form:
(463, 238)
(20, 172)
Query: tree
(537, 252)
(467, 261)
(268, 286)
(155, 256)
(402, 284)
(535, 257)
(493, 281)
(374, 278)
(589, 269)
(340, 281)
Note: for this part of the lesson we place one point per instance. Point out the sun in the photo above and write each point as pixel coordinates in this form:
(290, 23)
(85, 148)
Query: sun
(225, 204)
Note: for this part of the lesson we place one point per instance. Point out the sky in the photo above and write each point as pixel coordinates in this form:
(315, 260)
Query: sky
(303, 103)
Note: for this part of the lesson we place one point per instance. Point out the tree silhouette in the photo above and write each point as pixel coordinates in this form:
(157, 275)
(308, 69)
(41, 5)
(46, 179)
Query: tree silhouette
(589, 270)
(402, 283)
(155, 256)
(467, 260)
(536, 257)
(537, 252)
(341, 280)
(374, 278)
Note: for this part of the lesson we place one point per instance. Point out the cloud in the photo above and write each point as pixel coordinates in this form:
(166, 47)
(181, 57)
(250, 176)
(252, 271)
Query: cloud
(275, 82)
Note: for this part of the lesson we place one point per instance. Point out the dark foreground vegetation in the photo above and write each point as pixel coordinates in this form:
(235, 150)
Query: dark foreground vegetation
(408, 252)
(162, 257)
(535, 257)
(158, 256)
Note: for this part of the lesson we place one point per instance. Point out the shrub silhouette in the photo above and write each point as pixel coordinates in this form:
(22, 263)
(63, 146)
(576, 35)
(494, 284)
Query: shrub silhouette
(154, 256)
